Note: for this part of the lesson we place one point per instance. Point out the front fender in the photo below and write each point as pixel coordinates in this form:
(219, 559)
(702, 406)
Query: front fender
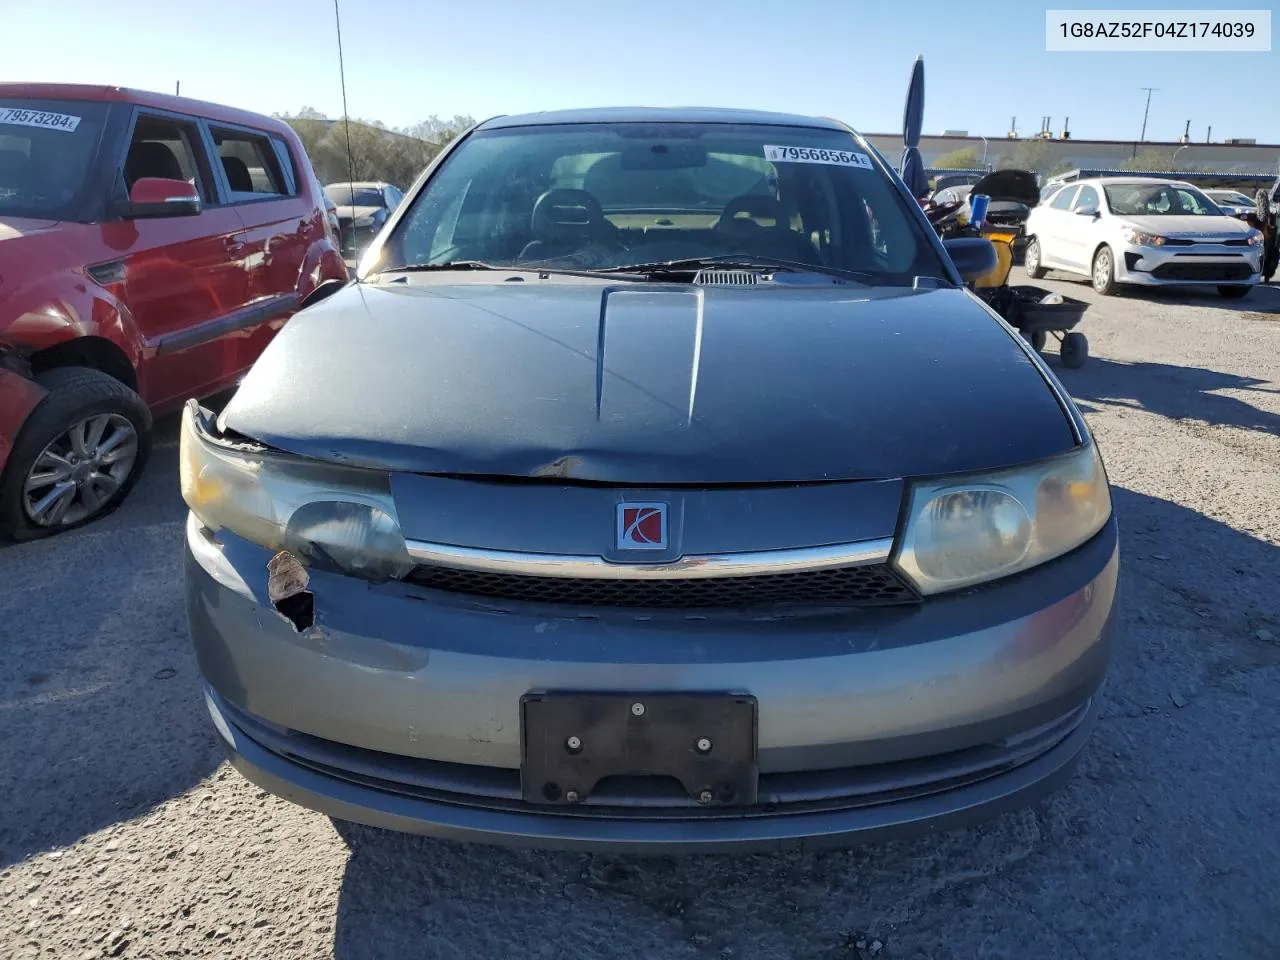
(323, 262)
(63, 305)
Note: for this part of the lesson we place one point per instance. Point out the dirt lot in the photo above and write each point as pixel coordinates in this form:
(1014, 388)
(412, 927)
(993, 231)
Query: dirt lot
(123, 834)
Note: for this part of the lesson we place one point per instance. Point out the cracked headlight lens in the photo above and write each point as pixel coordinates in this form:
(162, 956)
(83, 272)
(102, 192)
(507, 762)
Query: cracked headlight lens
(961, 532)
(328, 516)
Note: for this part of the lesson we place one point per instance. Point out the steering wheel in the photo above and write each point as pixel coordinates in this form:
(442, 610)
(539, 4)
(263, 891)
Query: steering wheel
(754, 205)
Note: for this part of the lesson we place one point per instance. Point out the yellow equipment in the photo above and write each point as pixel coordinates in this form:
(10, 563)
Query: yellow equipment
(1002, 240)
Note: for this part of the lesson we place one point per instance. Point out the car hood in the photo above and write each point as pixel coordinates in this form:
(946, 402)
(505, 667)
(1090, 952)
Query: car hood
(639, 384)
(1190, 227)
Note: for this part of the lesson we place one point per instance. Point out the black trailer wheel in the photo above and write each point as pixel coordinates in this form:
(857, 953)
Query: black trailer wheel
(1037, 339)
(1074, 350)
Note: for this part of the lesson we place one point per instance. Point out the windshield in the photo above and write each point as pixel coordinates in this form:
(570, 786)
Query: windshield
(1227, 196)
(605, 196)
(46, 155)
(1159, 200)
(344, 195)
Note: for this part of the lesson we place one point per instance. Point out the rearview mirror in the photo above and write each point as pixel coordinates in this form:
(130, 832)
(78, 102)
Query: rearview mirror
(159, 197)
(973, 256)
(1087, 211)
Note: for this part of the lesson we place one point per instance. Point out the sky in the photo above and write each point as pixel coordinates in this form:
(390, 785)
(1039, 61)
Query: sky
(408, 59)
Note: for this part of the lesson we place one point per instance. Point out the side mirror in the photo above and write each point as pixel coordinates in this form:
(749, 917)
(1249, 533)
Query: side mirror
(153, 197)
(974, 257)
(1087, 211)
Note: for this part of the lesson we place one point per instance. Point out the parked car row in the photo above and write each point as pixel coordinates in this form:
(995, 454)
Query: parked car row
(361, 208)
(150, 248)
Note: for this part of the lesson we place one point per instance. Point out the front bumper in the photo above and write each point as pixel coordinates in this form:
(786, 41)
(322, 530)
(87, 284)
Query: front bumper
(18, 397)
(400, 707)
(1203, 264)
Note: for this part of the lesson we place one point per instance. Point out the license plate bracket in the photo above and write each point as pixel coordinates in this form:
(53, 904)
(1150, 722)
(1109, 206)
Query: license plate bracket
(571, 741)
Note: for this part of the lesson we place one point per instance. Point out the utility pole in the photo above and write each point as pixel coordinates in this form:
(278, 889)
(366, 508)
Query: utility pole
(1143, 136)
(177, 88)
(1208, 135)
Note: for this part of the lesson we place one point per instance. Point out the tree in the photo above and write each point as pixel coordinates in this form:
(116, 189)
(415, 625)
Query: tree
(966, 158)
(1157, 160)
(375, 152)
(1034, 154)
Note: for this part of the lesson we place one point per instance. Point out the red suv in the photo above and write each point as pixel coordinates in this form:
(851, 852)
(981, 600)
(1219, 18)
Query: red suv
(150, 247)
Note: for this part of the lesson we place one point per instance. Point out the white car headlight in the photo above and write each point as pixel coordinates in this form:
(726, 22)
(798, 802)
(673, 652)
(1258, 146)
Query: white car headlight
(961, 532)
(1140, 239)
(326, 515)
(1255, 239)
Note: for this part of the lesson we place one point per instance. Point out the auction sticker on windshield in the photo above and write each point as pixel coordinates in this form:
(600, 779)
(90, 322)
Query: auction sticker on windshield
(39, 118)
(842, 158)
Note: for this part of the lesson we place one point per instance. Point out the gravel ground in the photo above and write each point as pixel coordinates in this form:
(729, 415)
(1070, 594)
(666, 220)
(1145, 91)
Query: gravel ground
(122, 833)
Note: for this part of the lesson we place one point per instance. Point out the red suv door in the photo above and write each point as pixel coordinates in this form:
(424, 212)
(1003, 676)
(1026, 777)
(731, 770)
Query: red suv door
(281, 223)
(183, 278)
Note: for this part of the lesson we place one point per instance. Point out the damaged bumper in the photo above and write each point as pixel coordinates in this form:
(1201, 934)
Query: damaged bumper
(399, 706)
(18, 397)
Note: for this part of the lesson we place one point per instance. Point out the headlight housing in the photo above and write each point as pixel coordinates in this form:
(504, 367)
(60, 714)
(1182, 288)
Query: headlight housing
(965, 531)
(328, 516)
(1255, 238)
(1140, 239)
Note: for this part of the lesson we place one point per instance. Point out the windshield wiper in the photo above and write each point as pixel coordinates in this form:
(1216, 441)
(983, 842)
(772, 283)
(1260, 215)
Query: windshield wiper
(447, 265)
(740, 261)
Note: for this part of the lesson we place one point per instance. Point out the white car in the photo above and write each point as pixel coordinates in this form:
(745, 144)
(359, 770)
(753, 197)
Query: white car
(1232, 201)
(1143, 231)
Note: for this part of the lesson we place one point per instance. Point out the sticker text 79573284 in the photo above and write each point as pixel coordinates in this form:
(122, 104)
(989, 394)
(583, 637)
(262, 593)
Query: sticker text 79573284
(841, 158)
(39, 118)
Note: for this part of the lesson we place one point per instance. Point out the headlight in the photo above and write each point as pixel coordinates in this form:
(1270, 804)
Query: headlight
(964, 532)
(1255, 239)
(327, 516)
(1140, 239)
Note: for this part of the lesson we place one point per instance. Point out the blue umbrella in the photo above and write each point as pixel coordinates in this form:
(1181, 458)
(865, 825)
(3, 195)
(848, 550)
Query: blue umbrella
(912, 168)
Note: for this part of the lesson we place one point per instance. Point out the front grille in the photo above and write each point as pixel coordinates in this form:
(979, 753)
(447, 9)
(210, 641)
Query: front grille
(864, 586)
(1224, 272)
(1183, 242)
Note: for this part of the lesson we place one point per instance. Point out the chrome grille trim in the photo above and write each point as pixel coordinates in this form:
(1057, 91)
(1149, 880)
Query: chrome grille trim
(698, 567)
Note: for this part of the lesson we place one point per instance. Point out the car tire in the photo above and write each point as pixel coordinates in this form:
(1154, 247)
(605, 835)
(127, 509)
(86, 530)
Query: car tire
(1103, 272)
(1031, 260)
(1074, 350)
(1234, 292)
(83, 404)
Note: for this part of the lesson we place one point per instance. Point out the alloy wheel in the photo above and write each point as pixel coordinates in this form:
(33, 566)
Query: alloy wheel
(80, 470)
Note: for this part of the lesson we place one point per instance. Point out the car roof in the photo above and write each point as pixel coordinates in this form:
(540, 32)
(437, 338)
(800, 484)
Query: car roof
(1132, 181)
(144, 98)
(661, 115)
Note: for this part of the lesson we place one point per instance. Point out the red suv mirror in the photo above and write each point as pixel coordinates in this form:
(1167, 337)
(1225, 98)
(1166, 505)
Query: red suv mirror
(159, 197)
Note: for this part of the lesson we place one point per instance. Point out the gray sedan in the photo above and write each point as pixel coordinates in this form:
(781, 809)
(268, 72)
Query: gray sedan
(657, 486)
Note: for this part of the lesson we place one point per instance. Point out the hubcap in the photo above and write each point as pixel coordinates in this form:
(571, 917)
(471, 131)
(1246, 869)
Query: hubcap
(1033, 255)
(80, 470)
(1101, 270)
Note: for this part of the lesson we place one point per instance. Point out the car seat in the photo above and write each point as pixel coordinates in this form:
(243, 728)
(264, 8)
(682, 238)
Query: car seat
(150, 158)
(238, 176)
